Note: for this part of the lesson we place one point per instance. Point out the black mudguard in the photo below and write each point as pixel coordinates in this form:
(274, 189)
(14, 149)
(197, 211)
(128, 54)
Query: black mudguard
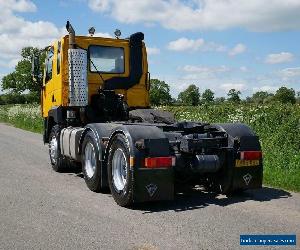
(148, 184)
(56, 115)
(240, 138)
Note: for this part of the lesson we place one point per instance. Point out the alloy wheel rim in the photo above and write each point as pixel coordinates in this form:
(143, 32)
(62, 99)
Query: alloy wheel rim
(53, 147)
(119, 169)
(90, 160)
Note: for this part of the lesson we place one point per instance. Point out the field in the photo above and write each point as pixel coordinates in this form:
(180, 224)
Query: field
(277, 125)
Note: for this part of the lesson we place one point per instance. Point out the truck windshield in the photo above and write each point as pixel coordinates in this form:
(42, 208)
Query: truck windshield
(106, 59)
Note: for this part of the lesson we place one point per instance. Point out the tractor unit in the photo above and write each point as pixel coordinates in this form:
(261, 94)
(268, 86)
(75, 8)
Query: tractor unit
(97, 115)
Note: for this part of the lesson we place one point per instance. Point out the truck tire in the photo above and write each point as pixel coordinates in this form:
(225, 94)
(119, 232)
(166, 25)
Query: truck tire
(119, 174)
(58, 162)
(91, 165)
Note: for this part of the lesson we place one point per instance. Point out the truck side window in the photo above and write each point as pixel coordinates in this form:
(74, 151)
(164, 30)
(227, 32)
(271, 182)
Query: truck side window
(58, 57)
(49, 64)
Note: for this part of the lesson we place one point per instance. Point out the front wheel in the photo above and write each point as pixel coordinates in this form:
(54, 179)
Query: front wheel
(119, 173)
(58, 162)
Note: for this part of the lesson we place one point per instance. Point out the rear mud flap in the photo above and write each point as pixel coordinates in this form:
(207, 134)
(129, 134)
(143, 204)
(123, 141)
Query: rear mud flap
(239, 178)
(247, 177)
(153, 184)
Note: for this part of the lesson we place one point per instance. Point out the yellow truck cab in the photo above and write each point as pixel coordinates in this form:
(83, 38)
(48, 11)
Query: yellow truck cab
(97, 115)
(107, 56)
(110, 64)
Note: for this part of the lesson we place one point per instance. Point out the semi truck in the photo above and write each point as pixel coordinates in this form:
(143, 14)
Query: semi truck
(97, 115)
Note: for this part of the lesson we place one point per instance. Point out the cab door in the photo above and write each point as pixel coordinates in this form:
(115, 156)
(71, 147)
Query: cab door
(47, 92)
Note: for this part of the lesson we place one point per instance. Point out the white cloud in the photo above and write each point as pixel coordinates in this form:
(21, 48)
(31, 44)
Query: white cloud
(203, 72)
(100, 34)
(282, 57)
(16, 32)
(254, 15)
(19, 5)
(153, 51)
(10, 22)
(218, 78)
(290, 72)
(185, 44)
(99, 5)
(237, 49)
(237, 86)
(221, 79)
(289, 76)
(244, 69)
(204, 69)
(219, 83)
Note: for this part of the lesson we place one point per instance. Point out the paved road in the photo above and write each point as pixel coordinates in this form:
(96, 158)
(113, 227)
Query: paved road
(42, 209)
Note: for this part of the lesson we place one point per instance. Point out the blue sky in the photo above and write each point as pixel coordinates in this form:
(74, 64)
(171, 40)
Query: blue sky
(221, 44)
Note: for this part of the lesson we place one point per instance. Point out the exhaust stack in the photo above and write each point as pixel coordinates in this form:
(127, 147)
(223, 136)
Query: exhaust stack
(77, 60)
(71, 35)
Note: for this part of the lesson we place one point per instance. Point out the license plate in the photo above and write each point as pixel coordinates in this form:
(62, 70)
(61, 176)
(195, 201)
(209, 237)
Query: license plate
(246, 163)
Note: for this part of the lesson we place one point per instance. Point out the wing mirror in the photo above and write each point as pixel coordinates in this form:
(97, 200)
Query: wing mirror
(35, 70)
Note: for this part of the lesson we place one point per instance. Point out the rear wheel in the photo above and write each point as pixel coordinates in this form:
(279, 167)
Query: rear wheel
(58, 162)
(119, 174)
(91, 165)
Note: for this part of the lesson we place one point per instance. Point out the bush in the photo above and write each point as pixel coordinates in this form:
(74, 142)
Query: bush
(33, 97)
(15, 98)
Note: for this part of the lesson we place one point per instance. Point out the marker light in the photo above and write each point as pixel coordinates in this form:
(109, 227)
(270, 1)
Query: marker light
(160, 162)
(250, 155)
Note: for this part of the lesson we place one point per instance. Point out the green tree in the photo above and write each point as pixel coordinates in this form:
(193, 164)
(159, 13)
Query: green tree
(159, 92)
(208, 96)
(20, 79)
(285, 95)
(190, 96)
(1, 100)
(220, 100)
(298, 97)
(248, 99)
(234, 96)
(261, 97)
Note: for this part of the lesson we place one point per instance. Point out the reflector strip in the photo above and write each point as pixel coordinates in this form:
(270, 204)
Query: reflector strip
(160, 162)
(250, 155)
(131, 161)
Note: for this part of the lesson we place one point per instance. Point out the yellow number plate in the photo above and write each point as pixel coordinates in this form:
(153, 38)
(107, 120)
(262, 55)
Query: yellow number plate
(246, 163)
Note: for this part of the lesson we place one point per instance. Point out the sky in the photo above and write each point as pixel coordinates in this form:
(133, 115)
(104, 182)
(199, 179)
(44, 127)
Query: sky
(248, 45)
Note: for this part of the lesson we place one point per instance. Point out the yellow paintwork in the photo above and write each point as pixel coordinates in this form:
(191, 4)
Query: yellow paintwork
(55, 91)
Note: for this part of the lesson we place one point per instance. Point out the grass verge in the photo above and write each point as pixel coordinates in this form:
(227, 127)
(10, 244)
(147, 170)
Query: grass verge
(25, 116)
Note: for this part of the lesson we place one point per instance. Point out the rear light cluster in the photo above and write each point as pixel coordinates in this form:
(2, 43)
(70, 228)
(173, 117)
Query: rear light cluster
(250, 155)
(160, 162)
